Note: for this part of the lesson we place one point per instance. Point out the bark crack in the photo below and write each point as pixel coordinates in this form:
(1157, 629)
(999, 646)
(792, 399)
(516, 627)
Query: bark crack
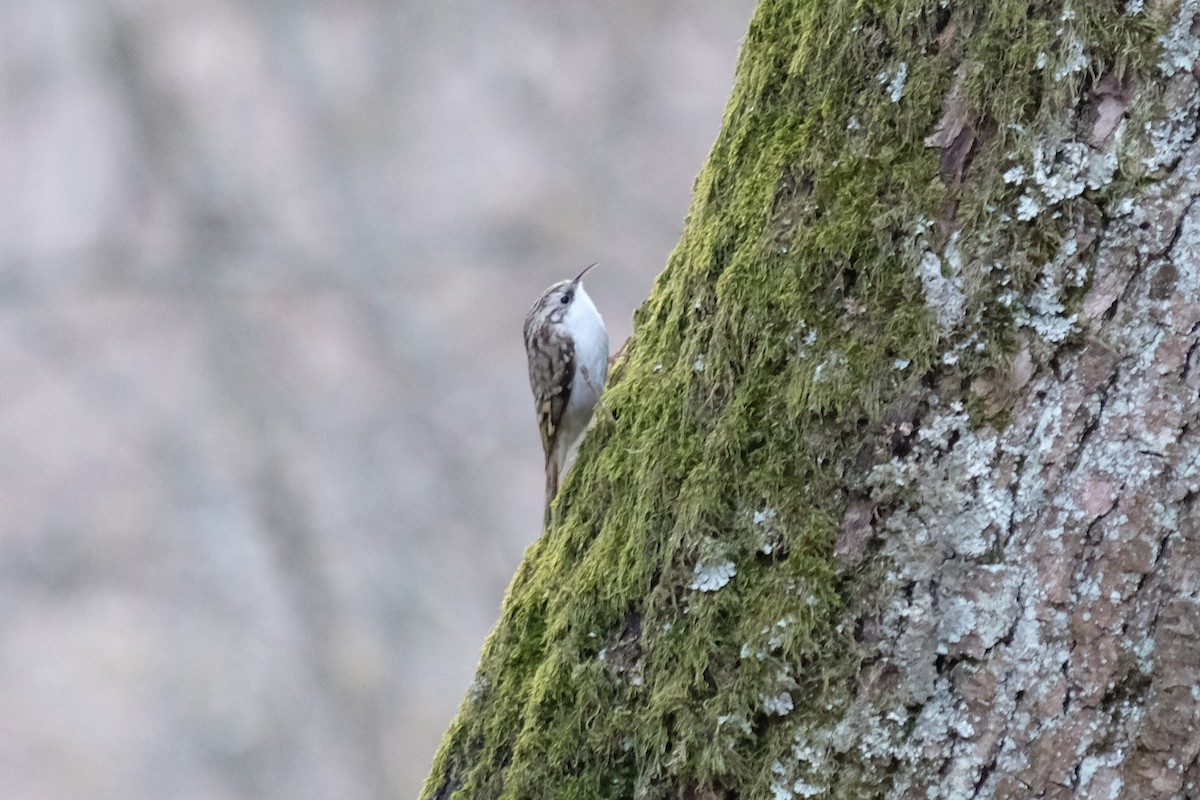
(1187, 210)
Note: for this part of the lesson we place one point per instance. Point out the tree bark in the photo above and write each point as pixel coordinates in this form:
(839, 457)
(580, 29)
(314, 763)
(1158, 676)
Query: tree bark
(899, 497)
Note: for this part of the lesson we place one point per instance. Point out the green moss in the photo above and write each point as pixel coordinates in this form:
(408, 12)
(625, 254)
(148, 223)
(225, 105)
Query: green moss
(763, 363)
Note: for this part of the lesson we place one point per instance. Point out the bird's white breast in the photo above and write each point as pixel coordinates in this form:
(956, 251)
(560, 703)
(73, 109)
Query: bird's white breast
(591, 354)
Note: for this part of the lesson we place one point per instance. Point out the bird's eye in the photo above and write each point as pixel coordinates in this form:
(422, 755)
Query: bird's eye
(566, 298)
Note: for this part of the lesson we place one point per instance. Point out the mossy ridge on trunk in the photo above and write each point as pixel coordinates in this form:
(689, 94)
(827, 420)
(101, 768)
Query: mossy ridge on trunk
(790, 324)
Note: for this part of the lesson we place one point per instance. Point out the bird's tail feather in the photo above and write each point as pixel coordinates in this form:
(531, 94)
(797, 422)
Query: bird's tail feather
(551, 484)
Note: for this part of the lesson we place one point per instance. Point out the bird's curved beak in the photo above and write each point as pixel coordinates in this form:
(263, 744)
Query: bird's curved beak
(579, 277)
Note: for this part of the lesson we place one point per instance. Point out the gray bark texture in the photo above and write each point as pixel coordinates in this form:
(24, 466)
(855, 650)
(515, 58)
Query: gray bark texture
(900, 498)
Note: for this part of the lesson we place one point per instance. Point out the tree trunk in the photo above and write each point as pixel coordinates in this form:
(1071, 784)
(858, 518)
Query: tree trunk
(898, 500)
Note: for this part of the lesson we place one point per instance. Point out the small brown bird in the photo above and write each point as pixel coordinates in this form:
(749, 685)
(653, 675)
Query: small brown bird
(567, 346)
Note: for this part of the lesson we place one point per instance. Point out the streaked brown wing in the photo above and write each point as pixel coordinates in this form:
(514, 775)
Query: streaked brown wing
(551, 368)
(555, 376)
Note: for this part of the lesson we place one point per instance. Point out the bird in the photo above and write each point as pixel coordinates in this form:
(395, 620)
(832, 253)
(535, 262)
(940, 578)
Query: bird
(567, 347)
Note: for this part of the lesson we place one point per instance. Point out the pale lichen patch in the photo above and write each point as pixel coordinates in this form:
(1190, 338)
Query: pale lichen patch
(779, 705)
(709, 577)
(893, 80)
(943, 293)
(1074, 60)
(1180, 44)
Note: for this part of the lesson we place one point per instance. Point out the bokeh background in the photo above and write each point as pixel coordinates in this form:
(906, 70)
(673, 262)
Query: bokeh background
(267, 452)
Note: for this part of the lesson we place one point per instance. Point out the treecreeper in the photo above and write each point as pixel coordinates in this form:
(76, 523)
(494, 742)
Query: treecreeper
(567, 346)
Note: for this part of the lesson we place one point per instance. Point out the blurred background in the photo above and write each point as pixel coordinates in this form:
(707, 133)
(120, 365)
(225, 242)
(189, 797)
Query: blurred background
(268, 456)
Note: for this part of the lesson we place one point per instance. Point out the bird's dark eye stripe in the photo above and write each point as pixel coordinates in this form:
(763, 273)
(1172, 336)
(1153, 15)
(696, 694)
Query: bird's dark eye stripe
(566, 298)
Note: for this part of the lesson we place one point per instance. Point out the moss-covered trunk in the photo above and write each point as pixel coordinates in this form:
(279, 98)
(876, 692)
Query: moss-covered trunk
(898, 499)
